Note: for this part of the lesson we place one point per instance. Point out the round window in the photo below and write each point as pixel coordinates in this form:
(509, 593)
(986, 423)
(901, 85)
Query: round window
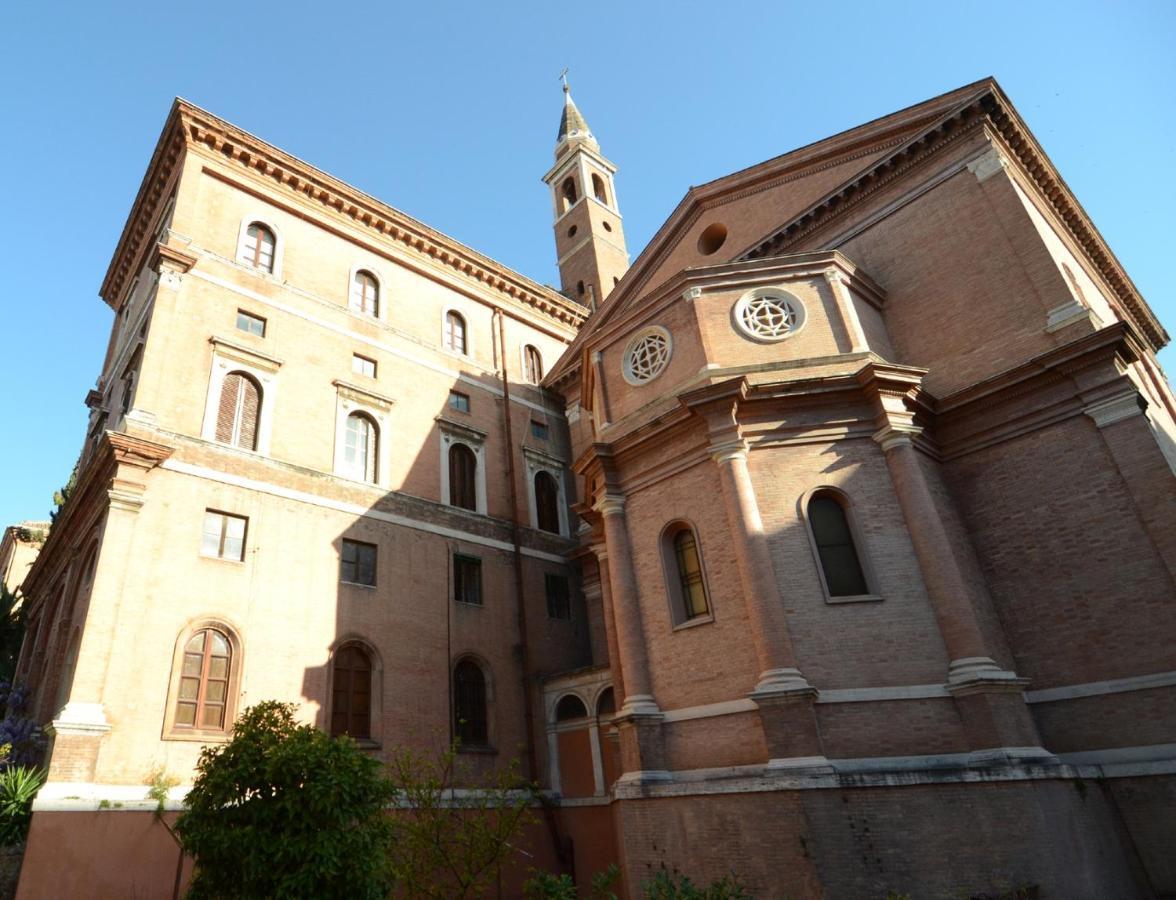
(769, 314)
(647, 355)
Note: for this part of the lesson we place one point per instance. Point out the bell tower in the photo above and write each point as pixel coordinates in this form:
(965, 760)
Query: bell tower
(589, 237)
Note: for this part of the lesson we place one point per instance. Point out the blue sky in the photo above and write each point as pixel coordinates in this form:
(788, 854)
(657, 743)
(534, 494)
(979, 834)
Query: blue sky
(449, 112)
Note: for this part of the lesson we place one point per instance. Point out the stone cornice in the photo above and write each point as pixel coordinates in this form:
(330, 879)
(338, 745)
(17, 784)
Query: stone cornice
(191, 128)
(990, 109)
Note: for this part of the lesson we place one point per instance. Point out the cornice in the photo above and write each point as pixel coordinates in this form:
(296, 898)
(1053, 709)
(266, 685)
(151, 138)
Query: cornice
(194, 129)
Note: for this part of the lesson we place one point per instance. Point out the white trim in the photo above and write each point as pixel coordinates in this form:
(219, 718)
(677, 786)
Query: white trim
(541, 462)
(381, 298)
(1116, 409)
(1066, 315)
(84, 796)
(356, 509)
(877, 694)
(469, 335)
(451, 434)
(279, 244)
(225, 361)
(708, 710)
(348, 400)
(448, 371)
(1102, 688)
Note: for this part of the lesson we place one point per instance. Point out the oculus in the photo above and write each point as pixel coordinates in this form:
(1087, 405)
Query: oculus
(647, 355)
(769, 314)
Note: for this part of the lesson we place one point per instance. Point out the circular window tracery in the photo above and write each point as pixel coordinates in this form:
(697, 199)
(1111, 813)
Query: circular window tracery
(647, 355)
(769, 315)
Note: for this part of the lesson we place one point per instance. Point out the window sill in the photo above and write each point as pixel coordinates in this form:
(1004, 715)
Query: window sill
(477, 750)
(358, 584)
(221, 559)
(693, 623)
(201, 737)
(468, 605)
(856, 598)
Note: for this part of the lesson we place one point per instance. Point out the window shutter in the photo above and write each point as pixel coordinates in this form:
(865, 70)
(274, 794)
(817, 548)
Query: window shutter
(250, 411)
(226, 412)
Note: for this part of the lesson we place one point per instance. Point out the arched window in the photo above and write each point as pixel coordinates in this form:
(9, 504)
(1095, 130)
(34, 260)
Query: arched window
(546, 502)
(258, 250)
(683, 563)
(568, 190)
(239, 411)
(469, 704)
(361, 447)
(533, 364)
(351, 693)
(598, 188)
(455, 333)
(463, 474)
(365, 294)
(606, 703)
(205, 675)
(844, 576)
(570, 707)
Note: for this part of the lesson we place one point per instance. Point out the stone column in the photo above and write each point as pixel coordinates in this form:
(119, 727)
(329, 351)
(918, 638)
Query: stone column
(639, 719)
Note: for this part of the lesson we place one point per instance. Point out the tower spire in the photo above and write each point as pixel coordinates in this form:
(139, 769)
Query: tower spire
(589, 239)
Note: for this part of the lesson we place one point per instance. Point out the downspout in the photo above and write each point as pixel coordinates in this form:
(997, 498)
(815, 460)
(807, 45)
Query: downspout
(561, 849)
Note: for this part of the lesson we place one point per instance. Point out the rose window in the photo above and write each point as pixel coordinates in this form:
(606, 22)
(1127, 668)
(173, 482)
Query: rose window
(769, 315)
(647, 355)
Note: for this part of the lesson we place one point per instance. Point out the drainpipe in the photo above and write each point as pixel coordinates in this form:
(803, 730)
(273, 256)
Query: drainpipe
(561, 850)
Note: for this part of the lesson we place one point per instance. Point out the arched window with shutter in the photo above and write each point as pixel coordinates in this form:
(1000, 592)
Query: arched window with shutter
(455, 333)
(239, 411)
(546, 502)
(365, 294)
(568, 193)
(470, 722)
(361, 447)
(841, 568)
(205, 682)
(258, 248)
(532, 364)
(685, 580)
(463, 477)
(351, 692)
(598, 189)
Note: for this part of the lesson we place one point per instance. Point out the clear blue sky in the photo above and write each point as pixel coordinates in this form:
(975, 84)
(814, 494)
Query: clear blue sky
(449, 112)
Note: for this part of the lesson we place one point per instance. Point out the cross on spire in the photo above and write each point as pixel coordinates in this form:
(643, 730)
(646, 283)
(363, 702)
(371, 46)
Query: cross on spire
(563, 76)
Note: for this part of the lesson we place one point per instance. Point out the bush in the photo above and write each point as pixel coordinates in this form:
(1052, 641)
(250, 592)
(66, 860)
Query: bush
(544, 886)
(25, 740)
(284, 810)
(664, 886)
(18, 787)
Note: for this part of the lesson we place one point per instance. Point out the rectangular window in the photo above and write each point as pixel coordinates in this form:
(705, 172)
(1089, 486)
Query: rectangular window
(250, 323)
(467, 580)
(361, 365)
(559, 601)
(458, 401)
(357, 565)
(539, 430)
(224, 536)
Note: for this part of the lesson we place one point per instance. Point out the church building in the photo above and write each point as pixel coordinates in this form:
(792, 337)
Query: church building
(830, 543)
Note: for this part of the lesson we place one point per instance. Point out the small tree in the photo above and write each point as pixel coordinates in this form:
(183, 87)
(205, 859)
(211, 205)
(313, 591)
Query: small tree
(284, 810)
(452, 842)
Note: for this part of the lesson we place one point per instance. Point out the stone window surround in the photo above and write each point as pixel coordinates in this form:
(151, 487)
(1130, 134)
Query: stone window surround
(265, 219)
(859, 544)
(376, 689)
(351, 398)
(236, 666)
(381, 292)
(458, 433)
(227, 357)
(761, 292)
(537, 461)
(488, 684)
(630, 345)
(676, 604)
(469, 337)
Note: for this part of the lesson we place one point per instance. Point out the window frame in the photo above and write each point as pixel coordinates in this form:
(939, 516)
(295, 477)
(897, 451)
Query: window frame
(468, 351)
(225, 516)
(375, 548)
(550, 578)
(371, 450)
(539, 461)
(859, 545)
(525, 352)
(487, 744)
(375, 694)
(465, 398)
(265, 220)
(227, 358)
(467, 561)
(173, 732)
(671, 574)
(457, 433)
(377, 281)
(358, 359)
(352, 399)
(251, 317)
(239, 412)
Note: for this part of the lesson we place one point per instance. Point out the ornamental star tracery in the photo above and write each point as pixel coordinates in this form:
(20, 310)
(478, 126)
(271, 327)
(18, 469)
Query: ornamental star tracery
(770, 316)
(648, 356)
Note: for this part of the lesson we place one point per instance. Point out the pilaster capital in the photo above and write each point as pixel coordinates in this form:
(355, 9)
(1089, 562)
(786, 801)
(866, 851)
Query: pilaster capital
(783, 686)
(641, 708)
(1116, 409)
(988, 164)
(610, 505)
(833, 275)
(691, 294)
(889, 437)
(728, 451)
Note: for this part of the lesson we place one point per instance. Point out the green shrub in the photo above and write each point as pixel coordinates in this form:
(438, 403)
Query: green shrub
(545, 886)
(664, 886)
(284, 810)
(18, 787)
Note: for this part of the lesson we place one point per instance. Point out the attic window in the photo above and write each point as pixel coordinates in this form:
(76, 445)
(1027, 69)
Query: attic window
(712, 238)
